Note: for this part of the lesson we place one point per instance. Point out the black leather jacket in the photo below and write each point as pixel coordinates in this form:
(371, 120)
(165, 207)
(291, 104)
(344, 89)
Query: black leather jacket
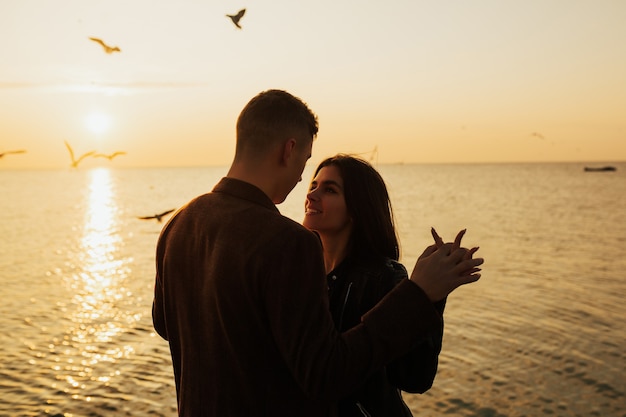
(354, 288)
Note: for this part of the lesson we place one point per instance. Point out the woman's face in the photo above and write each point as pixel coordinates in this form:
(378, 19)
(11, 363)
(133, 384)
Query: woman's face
(325, 206)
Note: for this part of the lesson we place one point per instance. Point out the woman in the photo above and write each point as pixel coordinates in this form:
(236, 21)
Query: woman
(348, 207)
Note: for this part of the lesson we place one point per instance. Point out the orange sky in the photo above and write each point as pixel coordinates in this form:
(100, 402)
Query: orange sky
(421, 81)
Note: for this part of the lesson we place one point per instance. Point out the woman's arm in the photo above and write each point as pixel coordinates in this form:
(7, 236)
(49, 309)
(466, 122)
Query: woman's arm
(416, 371)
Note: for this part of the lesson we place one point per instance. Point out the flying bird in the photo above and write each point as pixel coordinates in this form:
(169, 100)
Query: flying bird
(537, 135)
(158, 217)
(110, 156)
(75, 161)
(108, 49)
(11, 152)
(237, 17)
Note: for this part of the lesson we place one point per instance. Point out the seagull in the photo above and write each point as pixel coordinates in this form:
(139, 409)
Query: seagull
(109, 157)
(10, 152)
(236, 17)
(108, 49)
(157, 216)
(75, 161)
(537, 135)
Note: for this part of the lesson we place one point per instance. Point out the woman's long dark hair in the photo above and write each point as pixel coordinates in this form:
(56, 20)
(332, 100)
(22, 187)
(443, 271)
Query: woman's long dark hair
(367, 200)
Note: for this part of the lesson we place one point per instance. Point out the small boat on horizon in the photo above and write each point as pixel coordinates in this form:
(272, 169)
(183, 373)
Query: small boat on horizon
(600, 169)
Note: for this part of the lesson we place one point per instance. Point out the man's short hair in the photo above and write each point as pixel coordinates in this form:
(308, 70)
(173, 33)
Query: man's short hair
(272, 117)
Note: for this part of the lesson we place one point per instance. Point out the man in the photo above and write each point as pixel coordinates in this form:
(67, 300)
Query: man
(240, 290)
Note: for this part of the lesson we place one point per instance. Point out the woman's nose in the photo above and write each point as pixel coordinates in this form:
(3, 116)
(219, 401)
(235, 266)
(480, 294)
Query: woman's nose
(311, 195)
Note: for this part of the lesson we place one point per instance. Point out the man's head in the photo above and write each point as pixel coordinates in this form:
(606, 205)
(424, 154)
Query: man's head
(269, 119)
(275, 132)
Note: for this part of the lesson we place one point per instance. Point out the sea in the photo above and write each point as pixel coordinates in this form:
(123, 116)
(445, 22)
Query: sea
(541, 333)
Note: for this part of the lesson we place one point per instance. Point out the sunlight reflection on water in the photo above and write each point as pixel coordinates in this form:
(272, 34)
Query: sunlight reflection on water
(98, 284)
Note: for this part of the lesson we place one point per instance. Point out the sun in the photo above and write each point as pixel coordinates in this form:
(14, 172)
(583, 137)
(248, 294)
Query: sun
(97, 122)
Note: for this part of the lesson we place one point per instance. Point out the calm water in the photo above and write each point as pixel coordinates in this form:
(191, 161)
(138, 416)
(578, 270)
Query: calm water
(542, 333)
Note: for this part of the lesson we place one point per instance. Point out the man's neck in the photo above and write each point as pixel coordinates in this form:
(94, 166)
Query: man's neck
(261, 177)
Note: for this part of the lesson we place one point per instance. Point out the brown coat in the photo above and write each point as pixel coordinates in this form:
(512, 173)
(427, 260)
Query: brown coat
(241, 297)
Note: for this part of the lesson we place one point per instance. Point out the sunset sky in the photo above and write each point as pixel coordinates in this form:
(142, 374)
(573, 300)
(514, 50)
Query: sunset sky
(421, 81)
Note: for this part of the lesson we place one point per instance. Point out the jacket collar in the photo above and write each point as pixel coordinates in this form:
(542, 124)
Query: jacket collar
(245, 191)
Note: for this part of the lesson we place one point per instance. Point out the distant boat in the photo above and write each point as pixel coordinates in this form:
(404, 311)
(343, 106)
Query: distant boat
(600, 169)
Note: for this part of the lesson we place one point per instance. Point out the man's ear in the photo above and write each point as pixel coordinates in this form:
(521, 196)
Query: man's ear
(288, 150)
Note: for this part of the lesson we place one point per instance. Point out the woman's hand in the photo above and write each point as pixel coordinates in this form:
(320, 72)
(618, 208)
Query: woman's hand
(457, 243)
(443, 267)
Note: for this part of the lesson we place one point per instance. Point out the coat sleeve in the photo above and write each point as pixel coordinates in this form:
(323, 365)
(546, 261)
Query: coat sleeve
(415, 371)
(158, 306)
(324, 363)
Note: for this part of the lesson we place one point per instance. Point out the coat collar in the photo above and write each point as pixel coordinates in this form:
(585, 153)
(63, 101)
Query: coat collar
(245, 191)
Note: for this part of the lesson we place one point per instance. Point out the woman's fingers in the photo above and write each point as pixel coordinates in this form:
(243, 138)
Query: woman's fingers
(469, 266)
(457, 240)
(428, 251)
(456, 256)
(450, 248)
(441, 273)
(438, 239)
(465, 266)
(445, 249)
(470, 253)
(467, 279)
(443, 267)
